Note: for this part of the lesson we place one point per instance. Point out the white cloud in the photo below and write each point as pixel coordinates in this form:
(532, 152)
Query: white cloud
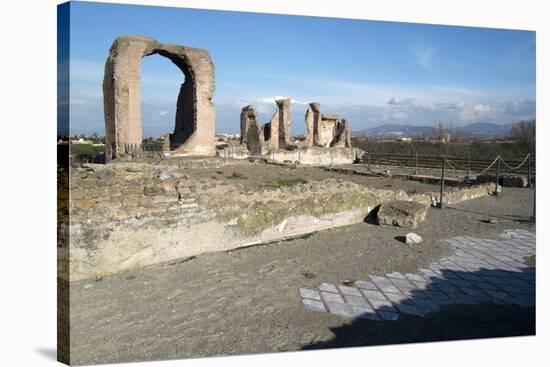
(274, 99)
(481, 108)
(399, 102)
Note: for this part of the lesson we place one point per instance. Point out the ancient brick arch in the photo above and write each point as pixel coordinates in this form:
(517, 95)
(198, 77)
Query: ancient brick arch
(195, 114)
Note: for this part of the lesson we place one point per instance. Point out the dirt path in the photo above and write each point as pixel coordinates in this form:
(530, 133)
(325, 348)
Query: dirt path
(247, 300)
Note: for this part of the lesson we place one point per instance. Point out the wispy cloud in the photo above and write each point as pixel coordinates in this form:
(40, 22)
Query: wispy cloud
(397, 102)
(458, 90)
(424, 55)
(86, 71)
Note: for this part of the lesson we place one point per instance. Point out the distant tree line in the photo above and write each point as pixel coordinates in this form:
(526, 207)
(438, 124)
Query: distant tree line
(522, 141)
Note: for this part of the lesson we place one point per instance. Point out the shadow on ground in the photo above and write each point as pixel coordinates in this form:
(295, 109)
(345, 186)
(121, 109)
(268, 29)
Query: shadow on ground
(459, 317)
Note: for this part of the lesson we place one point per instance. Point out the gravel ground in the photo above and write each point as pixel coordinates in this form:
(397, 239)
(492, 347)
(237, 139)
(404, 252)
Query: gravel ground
(247, 301)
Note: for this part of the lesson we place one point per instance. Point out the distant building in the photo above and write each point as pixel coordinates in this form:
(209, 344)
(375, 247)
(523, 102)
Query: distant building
(404, 139)
(445, 138)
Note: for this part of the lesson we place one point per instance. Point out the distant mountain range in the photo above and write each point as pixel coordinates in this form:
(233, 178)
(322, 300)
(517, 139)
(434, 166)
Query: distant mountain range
(482, 130)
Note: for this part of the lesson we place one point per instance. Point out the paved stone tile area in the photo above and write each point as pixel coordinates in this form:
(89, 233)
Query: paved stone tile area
(479, 271)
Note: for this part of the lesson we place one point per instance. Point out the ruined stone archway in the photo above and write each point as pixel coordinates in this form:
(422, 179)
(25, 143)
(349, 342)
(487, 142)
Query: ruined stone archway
(195, 114)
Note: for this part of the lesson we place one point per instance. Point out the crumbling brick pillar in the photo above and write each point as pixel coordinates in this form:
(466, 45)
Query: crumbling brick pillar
(285, 120)
(251, 134)
(313, 114)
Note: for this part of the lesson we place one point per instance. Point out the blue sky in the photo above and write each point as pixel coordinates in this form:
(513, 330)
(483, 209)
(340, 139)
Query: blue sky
(370, 72)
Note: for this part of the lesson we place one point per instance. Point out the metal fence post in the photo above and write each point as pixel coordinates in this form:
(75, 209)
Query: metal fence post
(529, 170)
(441, 198)
(497, 176)
(368, 167)
(533, 217)
(468, 167)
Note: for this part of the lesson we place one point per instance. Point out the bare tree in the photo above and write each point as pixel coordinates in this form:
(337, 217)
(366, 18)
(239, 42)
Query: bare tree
(525, 133)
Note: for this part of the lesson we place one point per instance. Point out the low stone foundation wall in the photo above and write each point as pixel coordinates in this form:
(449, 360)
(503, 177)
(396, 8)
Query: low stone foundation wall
(506, 180)
(315, 156)
(129, 215)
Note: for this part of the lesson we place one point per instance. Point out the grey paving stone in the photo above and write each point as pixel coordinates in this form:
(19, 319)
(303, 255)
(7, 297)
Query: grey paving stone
(378, 279)
(470, 291)
(450, 274)
(313, 305)
(409, 309)
(365, 285)
(496, 294)
(341, 309)
(349, 290)
(419, 294)
(460, 283)
(469, 300)
(379, 304)
(373, 294)
(310, 293)
(426, 306)
(409, 293)
(403, 284)
(480, 270)
(469, 277)
(524, 302)
(442, 301)
(368, 315)
(386, 287)
(415, 277)
(396, 275)
(356, 301)
(484, 285)
(421, 285)
(328, 288)
(388, 315)
(430, 274)
(399, 298)
(357, 311)
(332, 297)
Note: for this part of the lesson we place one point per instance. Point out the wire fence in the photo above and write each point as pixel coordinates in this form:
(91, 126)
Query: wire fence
(418, 162)
(512, 172)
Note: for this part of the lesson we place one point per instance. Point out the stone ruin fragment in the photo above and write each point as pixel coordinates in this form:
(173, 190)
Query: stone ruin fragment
(322, 130)
(251, 133)
(195, 114)
(325, 130)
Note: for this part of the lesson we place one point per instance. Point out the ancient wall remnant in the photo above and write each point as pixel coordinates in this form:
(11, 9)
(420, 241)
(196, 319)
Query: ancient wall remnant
(195, 114)
(276, 132)
(343, 135)
(326, 130)
(323, 130)
(313, 116)
(251, 133)
(283, 109)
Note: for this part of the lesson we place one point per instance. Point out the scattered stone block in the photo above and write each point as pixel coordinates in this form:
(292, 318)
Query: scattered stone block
(412, 239)
(402, 213)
